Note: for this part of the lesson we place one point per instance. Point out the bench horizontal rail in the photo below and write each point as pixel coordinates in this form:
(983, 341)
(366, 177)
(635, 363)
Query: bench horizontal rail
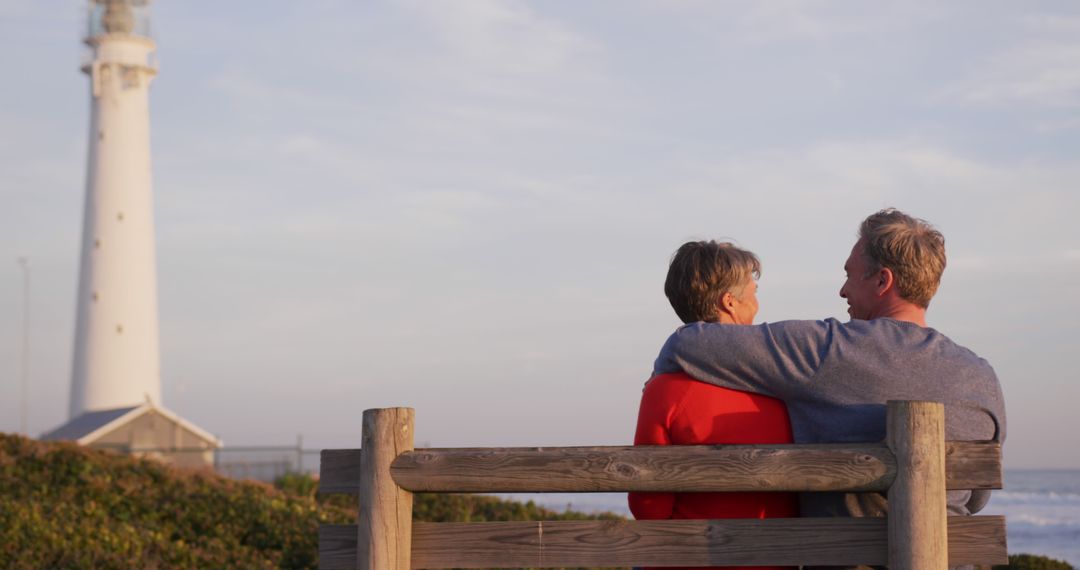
(716, 468)
(554, 544)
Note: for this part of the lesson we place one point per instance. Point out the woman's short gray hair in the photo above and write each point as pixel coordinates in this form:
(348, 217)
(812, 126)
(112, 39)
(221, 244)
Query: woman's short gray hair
(701, 272)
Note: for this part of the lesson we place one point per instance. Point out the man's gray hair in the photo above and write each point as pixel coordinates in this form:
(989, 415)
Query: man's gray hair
(911, 248)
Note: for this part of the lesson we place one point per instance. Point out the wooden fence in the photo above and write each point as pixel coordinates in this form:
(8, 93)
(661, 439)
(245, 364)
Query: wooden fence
(915, 466)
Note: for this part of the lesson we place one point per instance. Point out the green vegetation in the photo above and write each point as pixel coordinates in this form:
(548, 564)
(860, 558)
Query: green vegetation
(64, 506)
(1029, 562)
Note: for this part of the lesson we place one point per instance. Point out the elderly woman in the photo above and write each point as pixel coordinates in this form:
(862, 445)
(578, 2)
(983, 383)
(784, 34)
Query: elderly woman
(712, 282)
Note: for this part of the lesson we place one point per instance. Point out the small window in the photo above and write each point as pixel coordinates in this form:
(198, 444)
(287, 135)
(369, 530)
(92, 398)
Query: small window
(129, 77)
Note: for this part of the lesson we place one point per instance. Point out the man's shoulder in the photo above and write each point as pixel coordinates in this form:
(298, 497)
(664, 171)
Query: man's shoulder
(929, 343)
(960, 351)
(940, 343)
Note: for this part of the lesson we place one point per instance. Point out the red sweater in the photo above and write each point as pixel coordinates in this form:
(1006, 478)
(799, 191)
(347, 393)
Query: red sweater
(678, 410)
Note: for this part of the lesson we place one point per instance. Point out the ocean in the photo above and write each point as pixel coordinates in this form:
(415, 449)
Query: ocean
(1042, 512)
(1041, 508)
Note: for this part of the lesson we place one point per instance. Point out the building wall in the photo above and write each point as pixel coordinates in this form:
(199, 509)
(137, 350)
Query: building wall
(154, 435)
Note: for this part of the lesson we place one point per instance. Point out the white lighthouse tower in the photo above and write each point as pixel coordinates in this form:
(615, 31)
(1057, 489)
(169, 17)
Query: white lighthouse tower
(116, 360)
(116, 377)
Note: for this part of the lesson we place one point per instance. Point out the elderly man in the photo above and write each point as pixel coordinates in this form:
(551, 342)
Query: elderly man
(836, 377)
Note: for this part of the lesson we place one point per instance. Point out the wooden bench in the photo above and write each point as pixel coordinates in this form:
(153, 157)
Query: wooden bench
(914, 466)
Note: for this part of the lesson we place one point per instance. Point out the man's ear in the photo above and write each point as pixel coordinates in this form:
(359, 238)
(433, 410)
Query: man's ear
(885, 281)
(726, 304)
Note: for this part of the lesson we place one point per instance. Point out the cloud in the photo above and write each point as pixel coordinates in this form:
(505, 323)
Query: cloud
(30, 10)
(799, 21)
(503, 36)
(1006, 263)
(844, 170)
(994, 213)
(1041, 69)
(1053, 23)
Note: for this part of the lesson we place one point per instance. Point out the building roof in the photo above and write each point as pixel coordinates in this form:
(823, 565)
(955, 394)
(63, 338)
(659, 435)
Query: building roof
(90, 426)
(87, 423)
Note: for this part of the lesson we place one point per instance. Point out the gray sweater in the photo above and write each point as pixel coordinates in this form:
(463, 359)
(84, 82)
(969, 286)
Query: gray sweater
(836, 378)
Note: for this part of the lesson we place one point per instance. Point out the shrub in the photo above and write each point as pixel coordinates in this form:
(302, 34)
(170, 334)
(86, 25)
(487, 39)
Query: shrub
(1031, 562)
(64, 506)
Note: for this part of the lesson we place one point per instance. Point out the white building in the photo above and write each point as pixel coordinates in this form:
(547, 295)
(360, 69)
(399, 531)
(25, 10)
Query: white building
(145, 430)
(116, 364)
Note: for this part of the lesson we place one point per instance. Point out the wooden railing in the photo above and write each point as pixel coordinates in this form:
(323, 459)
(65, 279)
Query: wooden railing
(915, 466)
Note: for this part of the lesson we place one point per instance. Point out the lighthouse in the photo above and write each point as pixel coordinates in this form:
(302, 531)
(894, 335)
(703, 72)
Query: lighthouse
(116, 376)
(116, 361)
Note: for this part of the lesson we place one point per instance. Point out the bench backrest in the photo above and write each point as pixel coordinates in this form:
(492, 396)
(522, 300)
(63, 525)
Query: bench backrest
(915, 466)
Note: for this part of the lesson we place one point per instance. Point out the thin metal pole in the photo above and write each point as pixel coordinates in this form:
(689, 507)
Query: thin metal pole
(24, 262)
(299, 453)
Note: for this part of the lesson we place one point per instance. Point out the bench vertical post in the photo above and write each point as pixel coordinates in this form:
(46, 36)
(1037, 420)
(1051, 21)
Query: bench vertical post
(918, 517)
(384, 529)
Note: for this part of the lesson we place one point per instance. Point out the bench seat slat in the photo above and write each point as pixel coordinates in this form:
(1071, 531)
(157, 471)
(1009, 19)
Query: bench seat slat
(554, 544)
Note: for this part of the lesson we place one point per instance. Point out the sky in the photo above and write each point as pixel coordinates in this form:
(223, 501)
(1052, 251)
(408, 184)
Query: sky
(468, 207)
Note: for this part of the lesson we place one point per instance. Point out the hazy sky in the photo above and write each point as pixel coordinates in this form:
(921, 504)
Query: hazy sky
(468, 207)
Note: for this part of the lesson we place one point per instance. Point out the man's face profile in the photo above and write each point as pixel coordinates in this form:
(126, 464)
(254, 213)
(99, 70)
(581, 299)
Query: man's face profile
(860, 288)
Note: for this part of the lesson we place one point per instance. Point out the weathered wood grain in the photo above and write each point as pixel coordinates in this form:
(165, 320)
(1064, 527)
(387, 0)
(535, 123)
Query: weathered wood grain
(863, 467)
(918, 519)
(972, 540)
(648, 468)
(337, 546)
(973, 465)
(339, 471)
(385, 517)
